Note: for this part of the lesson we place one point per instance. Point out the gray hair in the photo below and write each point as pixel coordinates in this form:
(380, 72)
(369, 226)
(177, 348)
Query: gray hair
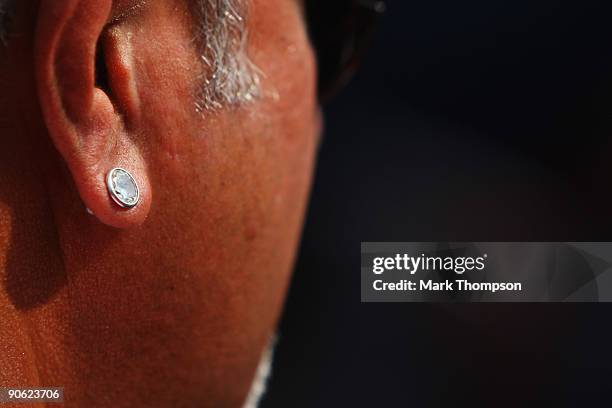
(228, 77)
(221, 32)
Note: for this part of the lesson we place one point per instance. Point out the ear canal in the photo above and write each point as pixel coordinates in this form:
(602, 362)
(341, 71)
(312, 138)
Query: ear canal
(101, 70)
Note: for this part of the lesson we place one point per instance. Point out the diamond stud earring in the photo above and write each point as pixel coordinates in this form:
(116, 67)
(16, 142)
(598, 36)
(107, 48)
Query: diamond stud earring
(122, 188)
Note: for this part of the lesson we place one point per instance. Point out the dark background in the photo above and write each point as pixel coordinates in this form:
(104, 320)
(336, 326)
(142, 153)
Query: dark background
(484, 120)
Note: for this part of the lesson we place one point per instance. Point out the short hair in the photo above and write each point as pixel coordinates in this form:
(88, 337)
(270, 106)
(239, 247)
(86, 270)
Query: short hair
(228, 77)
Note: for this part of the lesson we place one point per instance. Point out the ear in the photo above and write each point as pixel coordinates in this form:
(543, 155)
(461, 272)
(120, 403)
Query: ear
(87, 95)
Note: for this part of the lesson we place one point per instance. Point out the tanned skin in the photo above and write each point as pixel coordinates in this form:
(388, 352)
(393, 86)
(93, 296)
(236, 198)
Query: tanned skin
(169, 304)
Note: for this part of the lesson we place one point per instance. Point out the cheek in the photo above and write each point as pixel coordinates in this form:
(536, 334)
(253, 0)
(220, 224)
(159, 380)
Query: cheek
(229, 189)
(237, 177)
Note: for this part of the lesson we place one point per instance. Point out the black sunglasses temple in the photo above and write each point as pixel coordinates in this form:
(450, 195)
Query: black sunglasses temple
(341, 32)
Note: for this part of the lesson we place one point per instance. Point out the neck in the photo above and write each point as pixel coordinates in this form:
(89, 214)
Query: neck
(32, 272)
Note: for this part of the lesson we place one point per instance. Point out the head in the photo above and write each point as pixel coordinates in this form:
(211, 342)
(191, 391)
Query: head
(211, 106)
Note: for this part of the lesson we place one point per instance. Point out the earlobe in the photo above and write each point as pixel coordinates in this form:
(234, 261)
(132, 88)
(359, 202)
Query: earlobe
(87, 122)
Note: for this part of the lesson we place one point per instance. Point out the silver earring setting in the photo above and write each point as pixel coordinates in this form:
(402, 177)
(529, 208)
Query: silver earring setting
(122, 188)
